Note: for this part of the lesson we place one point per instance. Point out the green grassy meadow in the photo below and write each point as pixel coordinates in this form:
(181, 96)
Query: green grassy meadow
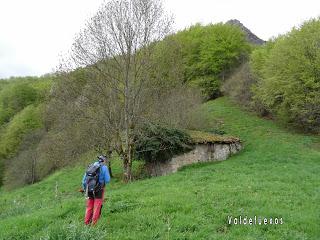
(275, 175)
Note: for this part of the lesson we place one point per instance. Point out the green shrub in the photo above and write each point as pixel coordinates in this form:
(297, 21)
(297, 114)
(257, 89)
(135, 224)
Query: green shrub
(158, 143)
(289, 84)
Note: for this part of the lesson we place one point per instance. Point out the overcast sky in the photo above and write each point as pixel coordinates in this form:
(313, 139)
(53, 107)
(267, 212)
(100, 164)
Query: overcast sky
(33, 33)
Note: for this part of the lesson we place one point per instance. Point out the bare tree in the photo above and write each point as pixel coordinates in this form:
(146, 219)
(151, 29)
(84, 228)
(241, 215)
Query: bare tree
(118, 45)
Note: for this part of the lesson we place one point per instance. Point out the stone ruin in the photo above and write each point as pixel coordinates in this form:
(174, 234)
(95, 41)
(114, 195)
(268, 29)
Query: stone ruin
(207, 148)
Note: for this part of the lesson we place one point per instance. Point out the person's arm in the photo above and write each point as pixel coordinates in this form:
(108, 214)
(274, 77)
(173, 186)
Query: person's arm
(106, 175)
(84, 181)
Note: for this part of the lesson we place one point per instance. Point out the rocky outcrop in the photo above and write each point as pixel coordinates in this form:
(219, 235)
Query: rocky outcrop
(251, 37)
(208, 148)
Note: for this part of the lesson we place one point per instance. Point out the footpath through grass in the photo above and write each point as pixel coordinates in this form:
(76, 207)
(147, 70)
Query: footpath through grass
(276, 175)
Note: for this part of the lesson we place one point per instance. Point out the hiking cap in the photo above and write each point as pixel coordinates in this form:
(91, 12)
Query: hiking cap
(102, 158)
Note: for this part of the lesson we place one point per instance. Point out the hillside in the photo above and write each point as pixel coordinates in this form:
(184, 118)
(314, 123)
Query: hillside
(276, 175)
(22, 101)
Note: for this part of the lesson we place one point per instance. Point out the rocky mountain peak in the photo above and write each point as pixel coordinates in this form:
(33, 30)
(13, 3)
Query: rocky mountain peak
(251, 37)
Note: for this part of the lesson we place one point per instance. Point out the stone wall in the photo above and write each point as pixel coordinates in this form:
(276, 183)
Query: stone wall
(201, 153)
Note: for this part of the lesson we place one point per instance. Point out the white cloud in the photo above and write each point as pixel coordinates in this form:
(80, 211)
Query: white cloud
(33, 33)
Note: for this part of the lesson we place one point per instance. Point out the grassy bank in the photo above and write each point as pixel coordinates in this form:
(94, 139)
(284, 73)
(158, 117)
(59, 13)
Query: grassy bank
(276, 175)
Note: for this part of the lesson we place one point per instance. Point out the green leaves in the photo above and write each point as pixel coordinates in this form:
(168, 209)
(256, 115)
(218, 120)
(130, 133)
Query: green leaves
(29, 118)
(209, 53)
(158, 143)
(18, 93)
(289, 76)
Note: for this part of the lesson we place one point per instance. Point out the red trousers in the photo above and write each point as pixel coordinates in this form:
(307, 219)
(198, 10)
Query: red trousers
(93, 210)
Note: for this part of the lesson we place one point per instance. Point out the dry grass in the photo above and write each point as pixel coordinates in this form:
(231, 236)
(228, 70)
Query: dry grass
(205, 137)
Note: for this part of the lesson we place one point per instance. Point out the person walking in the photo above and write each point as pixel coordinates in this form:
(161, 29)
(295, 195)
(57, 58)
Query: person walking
(93, 184)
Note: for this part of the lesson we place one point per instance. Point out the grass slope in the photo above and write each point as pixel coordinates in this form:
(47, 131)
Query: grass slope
(276, 175)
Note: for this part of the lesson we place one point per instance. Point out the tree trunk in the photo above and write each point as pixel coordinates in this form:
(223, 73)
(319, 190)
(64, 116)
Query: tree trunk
(127, 168)
(33, 170)
(109, 167)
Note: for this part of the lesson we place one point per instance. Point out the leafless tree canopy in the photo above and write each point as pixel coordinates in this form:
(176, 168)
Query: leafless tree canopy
(119, 30)
(118, 48)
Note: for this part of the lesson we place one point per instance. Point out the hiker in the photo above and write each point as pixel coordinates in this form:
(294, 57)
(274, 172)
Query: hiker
(93, 184)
